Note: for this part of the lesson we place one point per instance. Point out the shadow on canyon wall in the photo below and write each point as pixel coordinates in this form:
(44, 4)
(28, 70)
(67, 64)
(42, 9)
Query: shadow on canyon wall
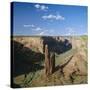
(57, 46)
(24, 60)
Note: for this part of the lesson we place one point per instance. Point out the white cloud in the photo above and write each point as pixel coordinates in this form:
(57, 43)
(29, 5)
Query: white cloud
(28, 25)
(41, 7)
(53, 17)
(33, 27)
(37, 29)
(37, 6)
(41, 33)
(70, 31)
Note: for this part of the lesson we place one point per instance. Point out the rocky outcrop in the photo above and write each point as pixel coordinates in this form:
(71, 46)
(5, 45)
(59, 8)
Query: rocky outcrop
(34, 43)
(49, 61)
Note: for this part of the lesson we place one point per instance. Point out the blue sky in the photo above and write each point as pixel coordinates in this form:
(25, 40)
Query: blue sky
(49, 19)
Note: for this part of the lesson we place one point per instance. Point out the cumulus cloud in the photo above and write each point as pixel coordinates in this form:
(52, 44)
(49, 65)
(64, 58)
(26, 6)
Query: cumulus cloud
(28, 25)
(41, 7)
(53, 17)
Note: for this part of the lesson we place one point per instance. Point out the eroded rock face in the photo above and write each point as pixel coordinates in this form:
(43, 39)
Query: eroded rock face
(56, 44)
(38, 44)
(76, 66)
(49, 61)
(31, 42)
